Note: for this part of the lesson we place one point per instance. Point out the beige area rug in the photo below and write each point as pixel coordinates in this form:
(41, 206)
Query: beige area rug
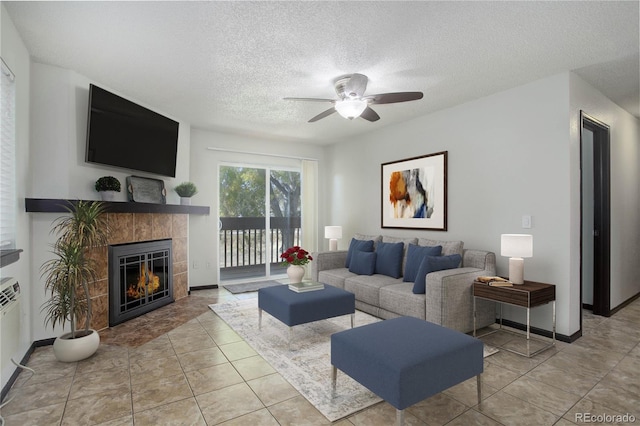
(250, 286)
(307, 366)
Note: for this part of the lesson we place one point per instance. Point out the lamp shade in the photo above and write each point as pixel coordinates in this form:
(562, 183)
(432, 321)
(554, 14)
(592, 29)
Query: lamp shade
(350, 108)
(333, 232)
(516, 245)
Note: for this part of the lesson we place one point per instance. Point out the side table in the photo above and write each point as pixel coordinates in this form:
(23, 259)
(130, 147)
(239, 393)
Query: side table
(528, 295)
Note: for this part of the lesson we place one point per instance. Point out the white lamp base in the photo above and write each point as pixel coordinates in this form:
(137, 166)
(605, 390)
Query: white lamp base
(516, 270)
(333, 244)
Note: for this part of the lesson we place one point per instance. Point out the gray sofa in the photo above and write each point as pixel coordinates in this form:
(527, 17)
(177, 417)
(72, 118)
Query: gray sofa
(447, 301)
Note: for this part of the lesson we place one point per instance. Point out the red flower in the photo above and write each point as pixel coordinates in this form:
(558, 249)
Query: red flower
(296, 255)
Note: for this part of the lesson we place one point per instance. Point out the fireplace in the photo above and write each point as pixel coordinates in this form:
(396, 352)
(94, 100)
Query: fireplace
(140, 279)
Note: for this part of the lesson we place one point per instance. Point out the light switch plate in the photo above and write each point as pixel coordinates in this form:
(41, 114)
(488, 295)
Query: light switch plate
(526, 221)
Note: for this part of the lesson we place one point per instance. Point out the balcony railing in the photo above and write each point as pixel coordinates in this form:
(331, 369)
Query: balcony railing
(243, 245)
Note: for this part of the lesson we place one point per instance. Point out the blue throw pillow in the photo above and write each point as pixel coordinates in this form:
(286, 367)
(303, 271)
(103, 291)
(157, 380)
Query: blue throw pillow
(432, 264)
(363, 262)
(415, 254)
(389, 259)
(358, 245)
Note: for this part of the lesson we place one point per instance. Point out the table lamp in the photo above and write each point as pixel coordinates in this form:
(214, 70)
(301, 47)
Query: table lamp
(333, 233)
(516, 247)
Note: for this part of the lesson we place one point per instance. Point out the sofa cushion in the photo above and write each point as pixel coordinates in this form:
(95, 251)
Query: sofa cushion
(358, 245)
(364, 237)
(335, 277)
(389, 259)
(415, 254)
(448, 247)
(400, 299)
(406, 241)
(367, 288)
(434, 263)
(363, 262)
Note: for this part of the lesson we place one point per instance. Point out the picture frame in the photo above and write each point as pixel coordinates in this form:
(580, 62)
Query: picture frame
(414, 193)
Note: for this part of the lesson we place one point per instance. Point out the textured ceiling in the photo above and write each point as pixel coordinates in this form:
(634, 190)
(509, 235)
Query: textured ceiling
(227, 65)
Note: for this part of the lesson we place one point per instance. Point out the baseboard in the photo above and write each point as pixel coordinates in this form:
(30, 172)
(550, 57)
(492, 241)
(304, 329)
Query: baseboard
(535, 330)
(25, 359)
(204, 287)
(575, 336)
(44, 342)
(624, 304)
(561, 337)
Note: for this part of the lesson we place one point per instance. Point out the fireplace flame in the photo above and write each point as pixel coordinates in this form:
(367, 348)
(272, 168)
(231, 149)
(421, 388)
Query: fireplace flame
(147, 280)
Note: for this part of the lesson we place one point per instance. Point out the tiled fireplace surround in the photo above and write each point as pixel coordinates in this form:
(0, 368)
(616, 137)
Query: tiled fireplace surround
(138, 227)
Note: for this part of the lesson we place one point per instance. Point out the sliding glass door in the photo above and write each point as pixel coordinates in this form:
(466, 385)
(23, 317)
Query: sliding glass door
(260, 217)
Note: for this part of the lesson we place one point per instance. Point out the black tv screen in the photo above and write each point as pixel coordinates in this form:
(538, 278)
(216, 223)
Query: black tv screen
(123, 134)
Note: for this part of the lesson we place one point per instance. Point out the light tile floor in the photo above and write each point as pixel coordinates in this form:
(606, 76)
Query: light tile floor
(182, 365)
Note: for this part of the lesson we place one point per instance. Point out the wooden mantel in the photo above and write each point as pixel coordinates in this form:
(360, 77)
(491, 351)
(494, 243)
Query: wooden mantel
(53, 205)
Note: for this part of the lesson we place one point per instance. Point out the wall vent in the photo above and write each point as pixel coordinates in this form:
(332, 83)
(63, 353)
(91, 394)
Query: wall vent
(9, 293)
(10, 327)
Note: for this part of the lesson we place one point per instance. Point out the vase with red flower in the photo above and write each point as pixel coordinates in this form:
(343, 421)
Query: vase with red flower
(296, 257)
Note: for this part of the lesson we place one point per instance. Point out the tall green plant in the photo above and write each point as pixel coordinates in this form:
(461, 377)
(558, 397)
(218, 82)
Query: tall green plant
(68, 274)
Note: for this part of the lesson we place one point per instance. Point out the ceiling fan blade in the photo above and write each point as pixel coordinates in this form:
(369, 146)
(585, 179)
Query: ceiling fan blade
(370, 115)
(356, 85)
(309, 99)
(392, 98)
(323, 115)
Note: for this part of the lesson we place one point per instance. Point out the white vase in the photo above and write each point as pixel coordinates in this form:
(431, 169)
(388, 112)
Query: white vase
(108, 195)
(295, 273)
(185, 201)
(67, 349)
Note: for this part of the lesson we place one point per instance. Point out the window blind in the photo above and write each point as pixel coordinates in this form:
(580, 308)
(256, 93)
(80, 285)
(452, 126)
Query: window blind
(8, 203)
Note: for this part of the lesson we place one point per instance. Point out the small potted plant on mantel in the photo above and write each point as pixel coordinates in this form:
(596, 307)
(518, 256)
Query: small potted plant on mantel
(107, 186)
(186, 190)
(68, 274)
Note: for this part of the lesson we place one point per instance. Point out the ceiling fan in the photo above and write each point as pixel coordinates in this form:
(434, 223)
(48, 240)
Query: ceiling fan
(352, 103)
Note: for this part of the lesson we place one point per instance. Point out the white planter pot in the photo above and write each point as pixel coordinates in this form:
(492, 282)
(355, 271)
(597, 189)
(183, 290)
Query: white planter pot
(185, 201)
(67, 349)
(295, 273)
(108, 195)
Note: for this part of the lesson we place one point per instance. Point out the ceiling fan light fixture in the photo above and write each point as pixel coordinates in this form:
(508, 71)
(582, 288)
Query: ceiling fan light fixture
(351, 108)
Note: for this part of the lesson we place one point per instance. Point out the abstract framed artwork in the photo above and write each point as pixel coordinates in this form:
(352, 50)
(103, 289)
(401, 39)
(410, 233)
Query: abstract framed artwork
(414, 193)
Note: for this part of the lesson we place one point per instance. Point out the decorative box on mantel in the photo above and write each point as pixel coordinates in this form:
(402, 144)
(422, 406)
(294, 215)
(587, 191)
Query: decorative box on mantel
(129, 223)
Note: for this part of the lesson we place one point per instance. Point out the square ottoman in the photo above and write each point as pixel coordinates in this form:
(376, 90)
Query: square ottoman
(300, 308)
(406, 360)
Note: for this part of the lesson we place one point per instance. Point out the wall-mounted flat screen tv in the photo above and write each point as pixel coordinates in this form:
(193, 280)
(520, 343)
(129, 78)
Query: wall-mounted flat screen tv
(123, 134)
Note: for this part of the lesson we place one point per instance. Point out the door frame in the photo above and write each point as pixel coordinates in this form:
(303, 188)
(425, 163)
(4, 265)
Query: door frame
(602, 214)
(267, 168)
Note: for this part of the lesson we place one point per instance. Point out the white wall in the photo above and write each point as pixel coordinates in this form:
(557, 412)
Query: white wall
(510, 154)
(15, 54)
(203, 230)
(625, 196)
(59, 107)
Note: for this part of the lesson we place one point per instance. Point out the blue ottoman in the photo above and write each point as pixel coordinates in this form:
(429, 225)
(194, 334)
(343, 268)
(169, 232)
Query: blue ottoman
(294, 308)
(406, 360)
